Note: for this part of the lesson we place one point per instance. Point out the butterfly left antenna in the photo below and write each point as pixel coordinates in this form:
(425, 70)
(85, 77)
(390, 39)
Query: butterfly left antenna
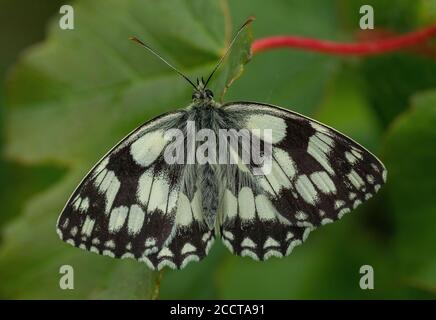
(246, 23)
(162, 59)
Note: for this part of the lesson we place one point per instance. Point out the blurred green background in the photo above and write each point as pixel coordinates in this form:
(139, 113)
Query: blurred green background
(67, 96)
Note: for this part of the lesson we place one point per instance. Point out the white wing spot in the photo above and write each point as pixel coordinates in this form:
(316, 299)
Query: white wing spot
(325, 138)
(247, 242)
(165, 252)
(272, 253)
(306, 189)
(76, 203)
(385, 175)
(319, 127)
(270, 242)
(150, 242)
(117, 218)
(264, 121)
(136, 219)
(355, 179)
(249, 253)
(84, 205)
(209, 245)
(228, 235)
(323, 182)
(159, 195)
(326, 221)
(285, 162)
(144, 187)
(111, 193)
(87, 227)
(246, 204)
(339, 204)
(292, 245)
(319, 151)
(356, 204)
(184, 213)
(342, 212)
(73, 231)
(228, 245)
(277, 178)
(189, 259)
(110, 244)
(265, 209)
(300, 215)
(147, 148)
(196, 206)
(188, 248)
(108, 253)
(127, 255)
(230, 204)
(100, 167)
(65, 224)
(306, 233)
(350, 158)
(94, 249)
(205, 236)
(357, 153)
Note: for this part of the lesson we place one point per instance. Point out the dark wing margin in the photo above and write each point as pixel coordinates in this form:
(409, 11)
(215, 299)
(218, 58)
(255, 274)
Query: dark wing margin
(132, 205)
(317, 176)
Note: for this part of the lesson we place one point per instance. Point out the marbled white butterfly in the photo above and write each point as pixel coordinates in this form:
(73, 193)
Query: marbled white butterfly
(134, 204)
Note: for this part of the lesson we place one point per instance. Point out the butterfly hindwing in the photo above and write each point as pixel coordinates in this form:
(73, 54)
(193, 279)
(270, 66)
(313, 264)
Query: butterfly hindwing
(252, 227)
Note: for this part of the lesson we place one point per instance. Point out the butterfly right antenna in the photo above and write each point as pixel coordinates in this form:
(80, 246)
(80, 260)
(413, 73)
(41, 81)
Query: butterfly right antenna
(246, 23)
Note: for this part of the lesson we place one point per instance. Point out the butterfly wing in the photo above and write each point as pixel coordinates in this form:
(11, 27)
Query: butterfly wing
(316, 176)
(134, 205)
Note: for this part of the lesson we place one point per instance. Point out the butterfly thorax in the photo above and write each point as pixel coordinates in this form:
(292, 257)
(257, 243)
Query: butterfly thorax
(204, 113)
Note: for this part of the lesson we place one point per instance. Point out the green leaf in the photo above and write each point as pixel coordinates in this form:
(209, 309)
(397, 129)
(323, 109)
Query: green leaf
(78, 93)
(288, 78)
(347, 109)
(17, 181)
(393, 79)
(410, 157)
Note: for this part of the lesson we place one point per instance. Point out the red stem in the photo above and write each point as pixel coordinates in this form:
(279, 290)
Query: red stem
(337, 48)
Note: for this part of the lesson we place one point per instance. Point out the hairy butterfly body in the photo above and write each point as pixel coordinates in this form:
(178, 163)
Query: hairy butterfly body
(151, 199)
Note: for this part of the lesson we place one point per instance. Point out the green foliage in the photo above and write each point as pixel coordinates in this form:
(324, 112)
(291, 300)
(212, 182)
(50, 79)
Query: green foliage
(74, 95)
(409, 145)
(99, 85)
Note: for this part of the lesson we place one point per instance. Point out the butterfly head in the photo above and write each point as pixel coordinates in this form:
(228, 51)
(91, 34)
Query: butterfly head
(201, 93)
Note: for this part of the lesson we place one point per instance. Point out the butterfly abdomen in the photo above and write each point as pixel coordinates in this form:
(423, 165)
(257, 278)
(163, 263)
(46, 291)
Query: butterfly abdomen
(209, 191)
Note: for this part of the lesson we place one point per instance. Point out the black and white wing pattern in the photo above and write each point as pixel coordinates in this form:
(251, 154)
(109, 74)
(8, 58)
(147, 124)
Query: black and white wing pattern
(134, 205)
(317, 175)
